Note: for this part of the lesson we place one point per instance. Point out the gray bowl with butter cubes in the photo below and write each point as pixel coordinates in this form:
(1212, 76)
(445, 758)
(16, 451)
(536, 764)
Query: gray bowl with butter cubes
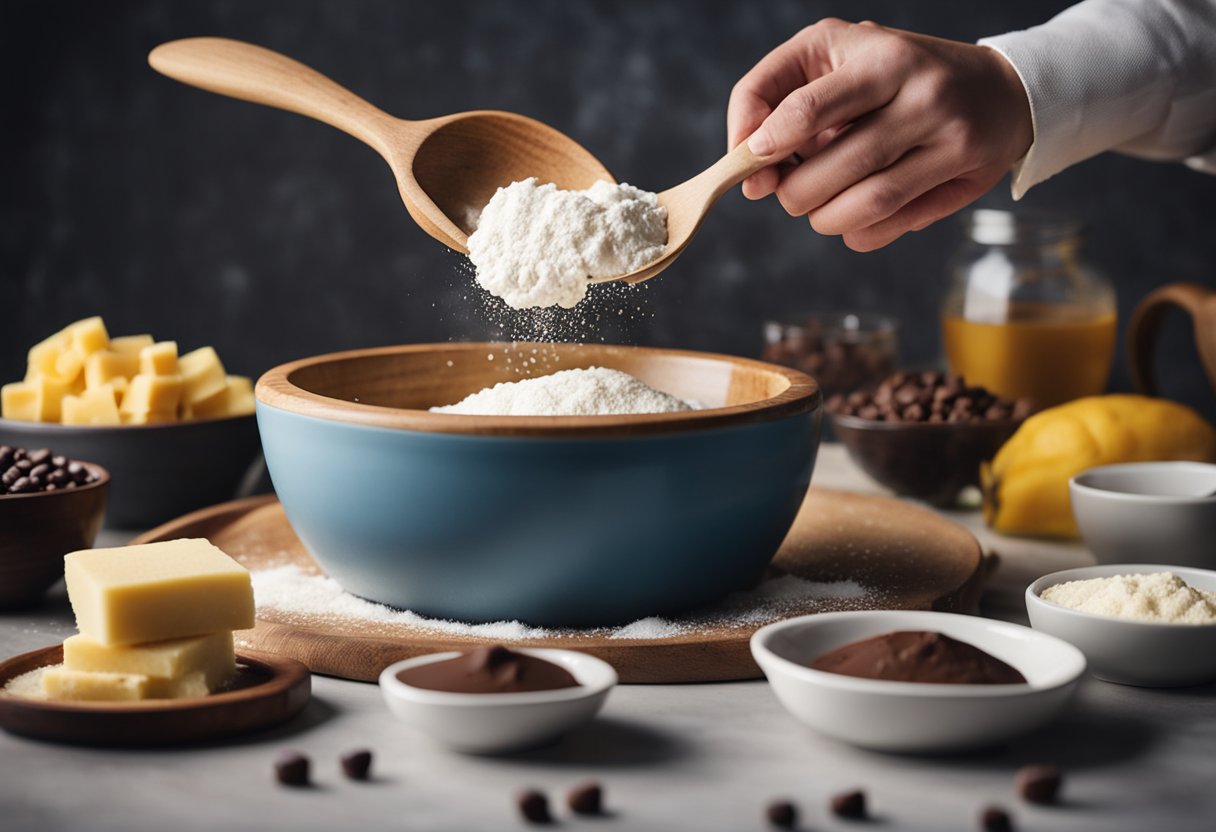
(176, 433)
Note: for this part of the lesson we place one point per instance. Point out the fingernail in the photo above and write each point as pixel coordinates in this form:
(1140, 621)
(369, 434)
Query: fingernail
(761, 143)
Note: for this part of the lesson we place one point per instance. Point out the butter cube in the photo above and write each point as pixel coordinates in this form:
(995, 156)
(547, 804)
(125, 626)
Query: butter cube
(160, 359)
(130, 343)
(39, 399)
(153, 417)
(95, 406)
(88, 336)
(43, 357)
(157, 591)
(60, 683)
(240, 396)
(68, 365)
(152, 394)
(104, 366)
(210, 658)
(202, 375)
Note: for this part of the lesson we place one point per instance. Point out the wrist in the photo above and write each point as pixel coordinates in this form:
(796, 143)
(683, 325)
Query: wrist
(1015, 105)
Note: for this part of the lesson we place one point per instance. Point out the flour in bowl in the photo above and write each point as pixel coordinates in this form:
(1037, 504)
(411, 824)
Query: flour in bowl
(536, 245)
(593, 391)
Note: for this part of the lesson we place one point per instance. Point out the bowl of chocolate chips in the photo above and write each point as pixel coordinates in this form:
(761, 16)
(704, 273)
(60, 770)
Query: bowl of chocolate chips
(924, 434)
(49, 505)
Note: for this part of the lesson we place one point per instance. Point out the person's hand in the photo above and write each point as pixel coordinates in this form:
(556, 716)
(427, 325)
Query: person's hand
(875, 132)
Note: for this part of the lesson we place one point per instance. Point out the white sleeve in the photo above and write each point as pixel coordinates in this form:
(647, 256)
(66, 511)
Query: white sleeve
(1137, 76)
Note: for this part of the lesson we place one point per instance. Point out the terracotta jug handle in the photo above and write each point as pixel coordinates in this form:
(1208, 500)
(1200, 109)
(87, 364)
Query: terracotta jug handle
(1197, 301)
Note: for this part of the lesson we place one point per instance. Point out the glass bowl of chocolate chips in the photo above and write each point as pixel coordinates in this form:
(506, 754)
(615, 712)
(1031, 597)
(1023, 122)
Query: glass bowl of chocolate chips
(924, 434)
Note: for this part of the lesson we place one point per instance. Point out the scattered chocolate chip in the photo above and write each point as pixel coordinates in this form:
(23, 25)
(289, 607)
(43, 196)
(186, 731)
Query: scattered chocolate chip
(291, 769)
(586, 799)
(995, 819)
(357, 765)
(1038, 783)
(927, 397)
(534, 806)
(782, 814)
(849, 804)
(28, 472)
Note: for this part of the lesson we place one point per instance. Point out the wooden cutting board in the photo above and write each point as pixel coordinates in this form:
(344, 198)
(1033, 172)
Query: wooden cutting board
(907, 557)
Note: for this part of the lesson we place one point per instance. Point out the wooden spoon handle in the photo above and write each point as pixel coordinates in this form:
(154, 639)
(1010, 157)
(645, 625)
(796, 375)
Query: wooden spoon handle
(252, 73)
(1197, 301)
(722, 175)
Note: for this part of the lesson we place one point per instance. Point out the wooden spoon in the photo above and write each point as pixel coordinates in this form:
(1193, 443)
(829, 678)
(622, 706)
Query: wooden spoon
(688, 203)
(447, 168)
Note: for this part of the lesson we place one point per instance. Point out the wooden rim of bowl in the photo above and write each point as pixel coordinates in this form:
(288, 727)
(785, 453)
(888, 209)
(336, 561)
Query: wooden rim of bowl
(103, 479)
(276, 389)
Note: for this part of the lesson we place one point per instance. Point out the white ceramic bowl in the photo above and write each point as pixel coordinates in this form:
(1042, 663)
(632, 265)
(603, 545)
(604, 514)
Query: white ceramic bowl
(1148, 512)
(911, 716)
(494, 723)
(1130, 652)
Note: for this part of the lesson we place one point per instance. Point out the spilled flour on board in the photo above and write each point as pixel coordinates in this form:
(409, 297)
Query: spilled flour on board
(291, 592)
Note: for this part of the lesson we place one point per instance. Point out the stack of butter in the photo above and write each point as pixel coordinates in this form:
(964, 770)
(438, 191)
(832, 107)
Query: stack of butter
(81, 376)
(155, 622)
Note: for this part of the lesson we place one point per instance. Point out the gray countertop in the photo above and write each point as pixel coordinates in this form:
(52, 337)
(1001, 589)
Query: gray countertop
(703, 757)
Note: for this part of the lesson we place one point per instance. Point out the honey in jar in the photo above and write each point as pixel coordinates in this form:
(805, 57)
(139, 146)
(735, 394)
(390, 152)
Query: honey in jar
(1025, 317)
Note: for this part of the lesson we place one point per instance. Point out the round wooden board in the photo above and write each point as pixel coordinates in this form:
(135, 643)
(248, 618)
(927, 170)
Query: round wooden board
(267, 690)
(909, 557)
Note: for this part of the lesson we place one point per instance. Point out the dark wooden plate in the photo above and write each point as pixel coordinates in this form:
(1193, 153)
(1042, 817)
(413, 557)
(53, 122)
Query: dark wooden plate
(267, 690)
(911, 558)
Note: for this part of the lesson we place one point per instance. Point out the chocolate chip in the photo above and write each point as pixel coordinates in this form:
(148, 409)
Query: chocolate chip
(291, 769)
(357, 765)
(1038, 783)
(27, 472)
(995, 819)
(782, 814)
(586, 799)
(849, 804)
(926, 397)
(534, 806)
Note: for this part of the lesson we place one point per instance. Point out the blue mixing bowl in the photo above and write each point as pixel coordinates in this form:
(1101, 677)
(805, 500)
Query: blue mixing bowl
(554, 521)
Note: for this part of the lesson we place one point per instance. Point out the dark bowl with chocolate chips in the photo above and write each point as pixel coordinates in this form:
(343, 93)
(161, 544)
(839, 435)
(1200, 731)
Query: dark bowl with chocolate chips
(924, 435)
(49, 506)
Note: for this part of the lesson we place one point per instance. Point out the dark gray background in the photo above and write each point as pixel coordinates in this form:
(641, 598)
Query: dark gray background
(207, 220)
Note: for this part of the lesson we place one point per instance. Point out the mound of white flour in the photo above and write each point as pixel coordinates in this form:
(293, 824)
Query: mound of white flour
(594, 391)
(536, 245)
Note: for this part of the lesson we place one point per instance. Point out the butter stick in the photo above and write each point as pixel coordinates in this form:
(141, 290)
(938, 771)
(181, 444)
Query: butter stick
(210, 657)
(157, 591)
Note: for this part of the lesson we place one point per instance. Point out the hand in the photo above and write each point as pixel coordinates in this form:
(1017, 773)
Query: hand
(875, 132)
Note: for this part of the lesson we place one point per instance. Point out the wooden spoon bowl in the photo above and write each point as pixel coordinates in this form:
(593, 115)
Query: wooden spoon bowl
(447, 168)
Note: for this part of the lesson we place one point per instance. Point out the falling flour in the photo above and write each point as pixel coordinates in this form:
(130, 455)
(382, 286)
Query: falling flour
(287, 591)
(536, 245)
(1158, 596)
(591, 391)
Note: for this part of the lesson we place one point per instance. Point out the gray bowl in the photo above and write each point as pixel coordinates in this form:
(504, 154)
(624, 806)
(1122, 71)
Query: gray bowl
(157, 472)
(1148, 512)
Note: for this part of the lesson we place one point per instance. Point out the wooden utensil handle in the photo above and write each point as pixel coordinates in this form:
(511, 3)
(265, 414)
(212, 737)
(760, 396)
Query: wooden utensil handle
(253, 73)
(1197, 301)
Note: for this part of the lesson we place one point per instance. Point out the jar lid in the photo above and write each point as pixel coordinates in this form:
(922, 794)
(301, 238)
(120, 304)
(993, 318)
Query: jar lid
(1003, 228)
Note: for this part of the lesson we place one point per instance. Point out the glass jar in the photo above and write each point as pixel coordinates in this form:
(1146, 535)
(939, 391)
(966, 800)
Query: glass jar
(843, 352)
(1025, 316)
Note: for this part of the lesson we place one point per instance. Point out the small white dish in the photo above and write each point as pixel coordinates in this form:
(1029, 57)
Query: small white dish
(912, 716)
(1142, 653)
(495, 723)
(1148, 512)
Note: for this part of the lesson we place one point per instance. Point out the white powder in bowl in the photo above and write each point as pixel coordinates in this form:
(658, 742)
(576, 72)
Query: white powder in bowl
(1158, 596)
(593, 391)
(536, 245)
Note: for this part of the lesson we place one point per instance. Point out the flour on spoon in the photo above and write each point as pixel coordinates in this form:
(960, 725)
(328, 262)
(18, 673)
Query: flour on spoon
(536, 245)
